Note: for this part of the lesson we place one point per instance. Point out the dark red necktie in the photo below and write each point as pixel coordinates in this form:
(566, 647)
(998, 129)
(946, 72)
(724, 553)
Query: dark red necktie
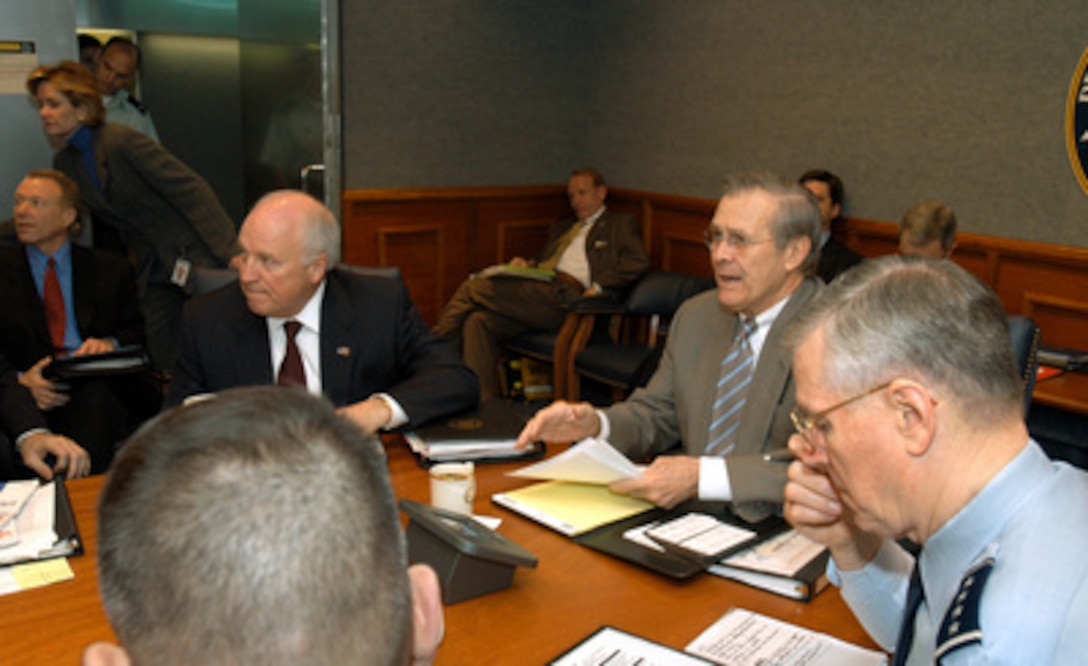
(54, 308)
(291, 371)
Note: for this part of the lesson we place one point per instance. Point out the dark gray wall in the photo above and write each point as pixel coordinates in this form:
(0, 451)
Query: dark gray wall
(959, 101)
(191, 85)
(468, 92)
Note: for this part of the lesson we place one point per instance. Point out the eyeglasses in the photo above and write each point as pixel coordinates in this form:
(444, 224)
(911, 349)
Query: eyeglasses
(807, 423)
(713, 237)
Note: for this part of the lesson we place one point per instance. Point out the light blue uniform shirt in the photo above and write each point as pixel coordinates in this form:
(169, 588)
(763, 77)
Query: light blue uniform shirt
(120, 109)
(1032, 518)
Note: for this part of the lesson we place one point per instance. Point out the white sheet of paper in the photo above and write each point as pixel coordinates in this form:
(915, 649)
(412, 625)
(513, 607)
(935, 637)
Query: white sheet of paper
(34, 526)
(589, 461)
(612, 647)
(743, 638)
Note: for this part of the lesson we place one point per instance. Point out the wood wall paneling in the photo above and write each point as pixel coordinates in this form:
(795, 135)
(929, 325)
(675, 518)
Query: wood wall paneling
(1048, 283)
(439, 236)
(419, 252)
(515, 227)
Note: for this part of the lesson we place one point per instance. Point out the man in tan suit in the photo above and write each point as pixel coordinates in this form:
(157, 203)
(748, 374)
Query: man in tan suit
(727, 415)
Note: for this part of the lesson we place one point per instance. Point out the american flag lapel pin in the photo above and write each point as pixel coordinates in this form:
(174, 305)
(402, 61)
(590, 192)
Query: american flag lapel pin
(343, 351)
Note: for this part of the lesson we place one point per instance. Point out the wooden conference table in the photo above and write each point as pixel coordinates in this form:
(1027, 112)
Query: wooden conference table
(571, 592)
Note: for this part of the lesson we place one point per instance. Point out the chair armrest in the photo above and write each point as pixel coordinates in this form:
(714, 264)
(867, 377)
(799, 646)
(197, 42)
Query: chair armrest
(598, 305)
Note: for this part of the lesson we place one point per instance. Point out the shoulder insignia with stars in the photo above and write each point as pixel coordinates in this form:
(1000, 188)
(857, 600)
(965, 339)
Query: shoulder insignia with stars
(960, 626)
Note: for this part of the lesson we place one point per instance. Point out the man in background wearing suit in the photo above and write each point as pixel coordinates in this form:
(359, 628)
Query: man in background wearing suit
(293, 318)
(595, 253)
(724, 388)
(62, 299)
(29, 436)
(835, 257)
(257, 527)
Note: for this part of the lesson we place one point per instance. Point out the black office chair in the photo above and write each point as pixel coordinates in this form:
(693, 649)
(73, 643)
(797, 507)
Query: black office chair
(392, 272)
(553, 347)
(626, 359)
(207, 279)
(1025, 347)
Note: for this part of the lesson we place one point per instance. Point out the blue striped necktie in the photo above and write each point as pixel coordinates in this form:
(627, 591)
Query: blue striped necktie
(733, 381)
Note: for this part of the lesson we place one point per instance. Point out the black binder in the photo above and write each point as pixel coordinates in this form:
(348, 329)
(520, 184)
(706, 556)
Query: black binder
(124, 360)
(494, 421)
(609, 539)
(68, 543)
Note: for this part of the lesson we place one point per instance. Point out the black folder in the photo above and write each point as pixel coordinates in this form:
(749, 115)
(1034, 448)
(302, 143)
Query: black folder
(124, 360)
(609, 539)
(494, 422)
(68, 543)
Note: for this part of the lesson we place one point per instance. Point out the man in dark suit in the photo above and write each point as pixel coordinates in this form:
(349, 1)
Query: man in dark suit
(835, 257)
(28, 436)
(595, 253)
(724, 388)
(62, 299)
(294, 319)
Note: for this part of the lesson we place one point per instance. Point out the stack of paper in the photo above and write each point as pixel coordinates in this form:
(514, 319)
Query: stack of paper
(743, 638)
(738, 638)
(789, 564)
(589, 461)
(576, 499)
(28, 523)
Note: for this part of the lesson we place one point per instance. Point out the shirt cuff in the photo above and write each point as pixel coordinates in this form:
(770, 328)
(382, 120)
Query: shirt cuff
(27, 435)
(398, 417)
(606, 426)
(714, 480)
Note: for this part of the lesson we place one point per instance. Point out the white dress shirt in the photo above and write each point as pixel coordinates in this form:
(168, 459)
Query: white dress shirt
(308, 341)
(713, 470)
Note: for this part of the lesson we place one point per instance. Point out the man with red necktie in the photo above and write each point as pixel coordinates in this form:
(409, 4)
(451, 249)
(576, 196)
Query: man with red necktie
(62, 299)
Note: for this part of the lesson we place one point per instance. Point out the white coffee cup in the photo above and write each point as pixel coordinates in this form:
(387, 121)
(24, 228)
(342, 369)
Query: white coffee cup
(453, 486)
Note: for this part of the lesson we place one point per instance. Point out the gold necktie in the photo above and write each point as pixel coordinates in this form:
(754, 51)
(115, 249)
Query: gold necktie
(561, 246)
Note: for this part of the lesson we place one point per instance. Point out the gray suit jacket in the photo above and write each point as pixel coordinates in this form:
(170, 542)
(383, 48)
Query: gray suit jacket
(676, 405)
(163, 209)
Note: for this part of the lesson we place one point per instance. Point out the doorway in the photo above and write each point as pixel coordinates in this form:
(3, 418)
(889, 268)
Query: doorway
(239, 89)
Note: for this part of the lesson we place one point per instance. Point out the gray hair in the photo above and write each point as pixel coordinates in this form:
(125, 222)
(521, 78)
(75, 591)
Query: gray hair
(321, 232)
(797, 215)
(929, 221)
(254, 527)
(931, 321)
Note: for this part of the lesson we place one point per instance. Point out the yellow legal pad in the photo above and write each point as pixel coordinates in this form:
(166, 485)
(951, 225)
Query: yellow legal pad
(38, 574)
(570, 508)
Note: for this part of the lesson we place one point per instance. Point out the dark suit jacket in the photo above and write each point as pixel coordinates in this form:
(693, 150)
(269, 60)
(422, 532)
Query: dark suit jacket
(162, 208)
(104, 294)
(836, 258)
(676, 405)
(372, 340)
(614, 249)
(17, 410)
